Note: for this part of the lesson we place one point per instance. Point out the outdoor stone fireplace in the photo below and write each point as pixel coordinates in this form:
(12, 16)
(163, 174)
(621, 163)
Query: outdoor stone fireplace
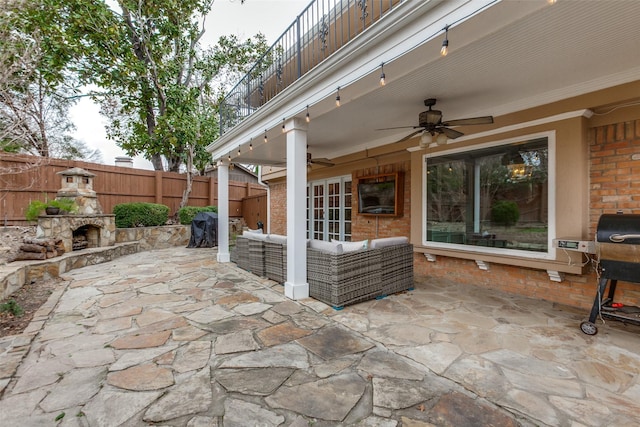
(86, 228)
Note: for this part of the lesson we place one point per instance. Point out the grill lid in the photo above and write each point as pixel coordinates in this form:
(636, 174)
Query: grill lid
(619, 228)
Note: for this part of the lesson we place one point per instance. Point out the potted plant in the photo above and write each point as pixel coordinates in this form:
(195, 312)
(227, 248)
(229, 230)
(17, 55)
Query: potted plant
(51, 207)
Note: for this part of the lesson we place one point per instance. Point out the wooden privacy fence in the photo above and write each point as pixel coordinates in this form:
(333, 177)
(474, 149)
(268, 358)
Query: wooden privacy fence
(27, 178)
(254, 209)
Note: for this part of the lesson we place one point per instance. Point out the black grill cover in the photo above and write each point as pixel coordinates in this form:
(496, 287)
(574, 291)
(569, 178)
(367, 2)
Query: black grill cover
(204, 230)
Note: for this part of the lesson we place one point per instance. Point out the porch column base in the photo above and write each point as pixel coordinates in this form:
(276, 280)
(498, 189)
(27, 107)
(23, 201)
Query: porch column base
(296, 291)
(223, 257)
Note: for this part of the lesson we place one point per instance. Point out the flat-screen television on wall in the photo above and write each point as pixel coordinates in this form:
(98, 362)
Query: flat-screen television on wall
(379, 195)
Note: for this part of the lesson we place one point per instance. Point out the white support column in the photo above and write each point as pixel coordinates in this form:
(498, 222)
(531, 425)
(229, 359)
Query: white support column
(296, 285)
(223, 212)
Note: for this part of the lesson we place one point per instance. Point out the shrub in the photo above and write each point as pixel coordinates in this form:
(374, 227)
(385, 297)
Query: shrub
(130, 215)
(187, 213)
(505, 213)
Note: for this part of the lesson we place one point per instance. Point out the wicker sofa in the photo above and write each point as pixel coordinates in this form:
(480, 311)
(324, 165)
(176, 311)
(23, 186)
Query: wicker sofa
(339, 273)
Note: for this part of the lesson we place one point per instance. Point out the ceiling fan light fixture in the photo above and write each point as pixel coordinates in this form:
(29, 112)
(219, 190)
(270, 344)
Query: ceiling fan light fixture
(441, 139)
(426, 139)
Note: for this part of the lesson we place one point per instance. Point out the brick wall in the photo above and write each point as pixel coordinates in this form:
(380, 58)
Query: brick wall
(615, 170)
(574, 290)
(372, 227)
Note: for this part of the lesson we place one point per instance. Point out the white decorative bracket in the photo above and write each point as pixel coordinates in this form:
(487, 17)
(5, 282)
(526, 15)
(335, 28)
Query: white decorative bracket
(482, 265)
(430, 258)
(555, 276)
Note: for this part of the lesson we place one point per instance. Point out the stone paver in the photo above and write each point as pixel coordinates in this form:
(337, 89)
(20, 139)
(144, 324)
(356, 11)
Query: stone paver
(171, 337)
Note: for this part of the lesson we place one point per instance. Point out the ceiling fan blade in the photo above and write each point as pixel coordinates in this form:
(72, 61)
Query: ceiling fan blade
(411, 135)
(401, 127)
(451, 133)
(484, 120)
(322, 162)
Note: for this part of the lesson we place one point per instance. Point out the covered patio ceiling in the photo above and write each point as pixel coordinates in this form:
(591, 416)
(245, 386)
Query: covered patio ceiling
(510, 56)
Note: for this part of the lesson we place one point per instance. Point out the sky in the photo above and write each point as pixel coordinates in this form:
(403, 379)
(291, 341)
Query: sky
(270, 17)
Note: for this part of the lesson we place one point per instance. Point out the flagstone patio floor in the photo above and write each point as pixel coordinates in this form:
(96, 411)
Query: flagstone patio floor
(171, 337)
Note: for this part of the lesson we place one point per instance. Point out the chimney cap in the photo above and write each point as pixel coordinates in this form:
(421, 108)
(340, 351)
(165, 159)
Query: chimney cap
(76, 172)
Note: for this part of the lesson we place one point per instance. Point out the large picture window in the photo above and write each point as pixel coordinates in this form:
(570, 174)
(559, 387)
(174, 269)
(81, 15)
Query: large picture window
(492, 198)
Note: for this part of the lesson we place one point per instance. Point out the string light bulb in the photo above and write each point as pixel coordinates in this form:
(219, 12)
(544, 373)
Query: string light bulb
(239, 150)
(265, 137)
(445, 43)
(250, 145)
(382, 75)
(229, 157)
(283, 129)
(338, 98)
(308, 117)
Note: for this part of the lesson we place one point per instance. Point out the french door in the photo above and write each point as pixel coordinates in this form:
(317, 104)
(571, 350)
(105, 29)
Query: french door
(329, 209)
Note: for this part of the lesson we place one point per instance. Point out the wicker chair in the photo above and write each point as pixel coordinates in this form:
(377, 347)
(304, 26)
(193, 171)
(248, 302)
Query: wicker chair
(397, 265)
(339, 279)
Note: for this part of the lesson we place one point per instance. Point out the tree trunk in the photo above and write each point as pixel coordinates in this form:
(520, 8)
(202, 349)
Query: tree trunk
(187, 190)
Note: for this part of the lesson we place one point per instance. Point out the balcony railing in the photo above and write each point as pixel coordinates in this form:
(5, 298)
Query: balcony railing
(319, 31)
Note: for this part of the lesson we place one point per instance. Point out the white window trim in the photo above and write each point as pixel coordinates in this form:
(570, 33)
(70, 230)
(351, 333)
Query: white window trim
(551, 194)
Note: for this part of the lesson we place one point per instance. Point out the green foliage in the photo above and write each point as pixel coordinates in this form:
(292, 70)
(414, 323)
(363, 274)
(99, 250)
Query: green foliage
(187, 213)
(36, 207)
(12, 307)
(130, 215)
(505, 212)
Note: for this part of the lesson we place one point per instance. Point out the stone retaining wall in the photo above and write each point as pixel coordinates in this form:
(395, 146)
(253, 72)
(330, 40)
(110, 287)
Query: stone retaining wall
(155, 237)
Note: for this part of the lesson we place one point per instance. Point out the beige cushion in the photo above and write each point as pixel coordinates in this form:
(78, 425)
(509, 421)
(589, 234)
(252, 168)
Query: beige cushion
(254, 235)
(388, 241)
(352, 246)
(277, 238)
(321, 245)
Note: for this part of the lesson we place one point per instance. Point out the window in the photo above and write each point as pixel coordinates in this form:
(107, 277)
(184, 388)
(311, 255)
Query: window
(494, 198)
(329, 209)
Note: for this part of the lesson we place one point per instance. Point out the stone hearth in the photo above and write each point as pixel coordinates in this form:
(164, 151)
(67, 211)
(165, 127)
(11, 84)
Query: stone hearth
(99, 230)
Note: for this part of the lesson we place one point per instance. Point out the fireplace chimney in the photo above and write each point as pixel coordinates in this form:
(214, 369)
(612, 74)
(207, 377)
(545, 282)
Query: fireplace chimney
(77, 184)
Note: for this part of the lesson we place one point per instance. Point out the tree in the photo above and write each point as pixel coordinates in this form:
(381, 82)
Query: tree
(157, 83)
(36, 88)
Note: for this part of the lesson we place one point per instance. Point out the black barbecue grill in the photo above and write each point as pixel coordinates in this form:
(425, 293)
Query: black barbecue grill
(618, 249)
